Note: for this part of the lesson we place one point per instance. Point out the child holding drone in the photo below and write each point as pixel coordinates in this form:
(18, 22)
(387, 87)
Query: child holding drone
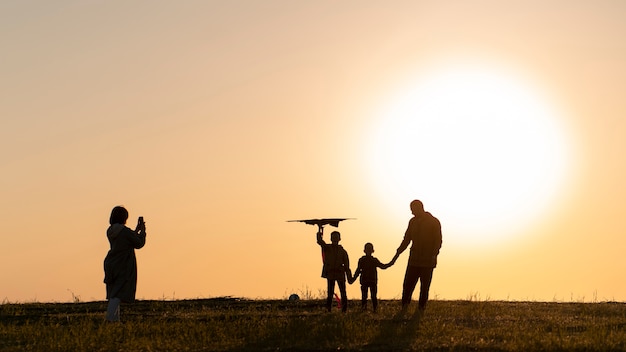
(336, 268)
(367, 268)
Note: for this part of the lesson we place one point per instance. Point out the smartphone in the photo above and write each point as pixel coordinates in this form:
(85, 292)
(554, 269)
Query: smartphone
(141, 219)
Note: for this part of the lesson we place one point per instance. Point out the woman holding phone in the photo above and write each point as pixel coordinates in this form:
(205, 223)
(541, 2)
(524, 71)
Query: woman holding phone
(120, 264)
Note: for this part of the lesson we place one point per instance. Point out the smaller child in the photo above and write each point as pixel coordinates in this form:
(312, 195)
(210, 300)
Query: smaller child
(369, 275)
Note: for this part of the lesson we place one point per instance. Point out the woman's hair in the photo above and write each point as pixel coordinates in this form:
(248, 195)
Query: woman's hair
(119, 215)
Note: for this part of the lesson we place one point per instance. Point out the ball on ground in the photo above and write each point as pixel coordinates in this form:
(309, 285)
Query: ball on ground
(294, 297)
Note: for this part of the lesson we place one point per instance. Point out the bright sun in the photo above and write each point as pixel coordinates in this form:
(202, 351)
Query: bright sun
(480, 146)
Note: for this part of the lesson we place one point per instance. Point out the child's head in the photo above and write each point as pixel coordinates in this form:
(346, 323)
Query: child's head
(335, 237)
(369, 248)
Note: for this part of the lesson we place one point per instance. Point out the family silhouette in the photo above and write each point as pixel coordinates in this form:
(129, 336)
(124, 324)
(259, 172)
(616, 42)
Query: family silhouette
(423, 232)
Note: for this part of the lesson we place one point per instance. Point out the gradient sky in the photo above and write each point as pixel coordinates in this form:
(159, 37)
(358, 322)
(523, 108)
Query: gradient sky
(219, 120)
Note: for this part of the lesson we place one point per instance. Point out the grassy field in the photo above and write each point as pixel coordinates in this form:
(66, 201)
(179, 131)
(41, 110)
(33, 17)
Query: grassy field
(228, 324)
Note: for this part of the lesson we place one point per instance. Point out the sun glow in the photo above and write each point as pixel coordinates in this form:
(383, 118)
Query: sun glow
(479, 145)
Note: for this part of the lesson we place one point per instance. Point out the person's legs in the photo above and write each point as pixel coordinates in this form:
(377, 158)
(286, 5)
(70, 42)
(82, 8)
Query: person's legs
(426, 276)
(374, 290)
(364, 296)
(410, 280)
(344, 295)
(331, 291)
(113, 309)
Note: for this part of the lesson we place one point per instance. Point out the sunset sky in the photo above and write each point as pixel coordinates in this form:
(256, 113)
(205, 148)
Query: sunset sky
(218, 121)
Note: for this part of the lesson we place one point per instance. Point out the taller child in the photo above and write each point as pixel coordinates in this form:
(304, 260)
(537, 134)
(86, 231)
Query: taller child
(336, 266)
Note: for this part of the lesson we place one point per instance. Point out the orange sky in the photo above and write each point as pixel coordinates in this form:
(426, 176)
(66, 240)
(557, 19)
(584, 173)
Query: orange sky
(218, 121)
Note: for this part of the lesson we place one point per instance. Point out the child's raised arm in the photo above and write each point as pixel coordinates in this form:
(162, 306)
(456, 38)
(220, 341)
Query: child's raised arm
(320, 240)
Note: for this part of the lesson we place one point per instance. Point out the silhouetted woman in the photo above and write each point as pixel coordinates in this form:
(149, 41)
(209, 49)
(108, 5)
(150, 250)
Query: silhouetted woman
(120, 264)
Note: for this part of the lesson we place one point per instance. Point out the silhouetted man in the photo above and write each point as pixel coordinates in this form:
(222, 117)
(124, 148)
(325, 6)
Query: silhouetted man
(424, 231)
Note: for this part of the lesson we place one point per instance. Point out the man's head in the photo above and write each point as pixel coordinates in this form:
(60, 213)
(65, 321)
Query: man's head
(369, 248)
(417, 208)
(335, 237)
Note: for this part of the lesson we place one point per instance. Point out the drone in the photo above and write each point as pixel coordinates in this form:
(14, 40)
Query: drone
(322, 222)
